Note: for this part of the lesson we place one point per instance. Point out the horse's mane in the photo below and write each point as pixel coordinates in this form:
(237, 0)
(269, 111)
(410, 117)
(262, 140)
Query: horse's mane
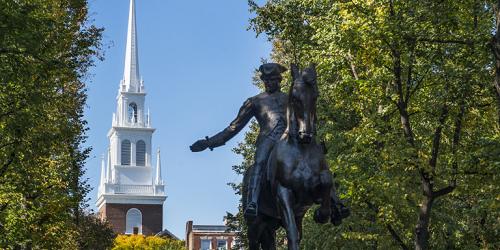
(291, 127)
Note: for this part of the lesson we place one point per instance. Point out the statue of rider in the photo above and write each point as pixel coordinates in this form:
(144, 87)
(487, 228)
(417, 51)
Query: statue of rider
(269, 108)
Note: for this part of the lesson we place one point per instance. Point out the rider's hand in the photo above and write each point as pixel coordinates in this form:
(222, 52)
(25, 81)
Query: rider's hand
(199, 145)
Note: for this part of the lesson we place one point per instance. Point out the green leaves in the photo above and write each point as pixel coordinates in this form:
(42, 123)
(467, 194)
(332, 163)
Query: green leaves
(405, 101)
(46, 47)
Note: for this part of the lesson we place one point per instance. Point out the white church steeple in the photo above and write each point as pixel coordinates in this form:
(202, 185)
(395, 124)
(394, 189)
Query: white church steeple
(131, 111)
(127, 178)
(131, 76)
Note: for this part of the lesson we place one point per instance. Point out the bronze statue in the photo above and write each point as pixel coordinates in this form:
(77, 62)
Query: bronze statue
(289, 164)
(269, 110)
(297, 173)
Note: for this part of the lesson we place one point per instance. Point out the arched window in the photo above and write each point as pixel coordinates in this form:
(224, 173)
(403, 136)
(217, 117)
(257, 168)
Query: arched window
(133, 221)
(140, 154)
(125, 152)
(132, 112)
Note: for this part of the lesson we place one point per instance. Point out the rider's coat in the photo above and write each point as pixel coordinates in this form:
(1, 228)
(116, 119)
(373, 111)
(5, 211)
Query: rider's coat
(270, 111)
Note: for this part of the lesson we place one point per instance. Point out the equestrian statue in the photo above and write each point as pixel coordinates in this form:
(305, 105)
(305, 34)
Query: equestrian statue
(289, 164)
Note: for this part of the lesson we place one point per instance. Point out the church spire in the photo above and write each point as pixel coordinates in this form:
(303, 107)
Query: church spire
(158, 180)
(103, 175)
(109, 170)
(131, 79)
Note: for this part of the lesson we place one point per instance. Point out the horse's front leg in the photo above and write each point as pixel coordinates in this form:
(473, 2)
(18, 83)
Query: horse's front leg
(322, 214)
(339, 210)
(285, 198)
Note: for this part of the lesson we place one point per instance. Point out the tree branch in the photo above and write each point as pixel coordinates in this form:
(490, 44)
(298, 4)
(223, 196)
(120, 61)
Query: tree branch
(437, 137)
(456, 141)
(409, 77)
(353, 67)
(8, 144)
(5, 166)
(443, 191)
(401, 104)
(446, 41)
(396, 237)
(7, 113)
(391, 230)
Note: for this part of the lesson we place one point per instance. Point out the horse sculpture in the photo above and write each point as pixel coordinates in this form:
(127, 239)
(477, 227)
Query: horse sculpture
(297, 173)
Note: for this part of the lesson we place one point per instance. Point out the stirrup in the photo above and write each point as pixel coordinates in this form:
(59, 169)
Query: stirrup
(251, 211)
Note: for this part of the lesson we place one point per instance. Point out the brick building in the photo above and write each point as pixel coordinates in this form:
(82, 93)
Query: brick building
(205, 237)
(128, 195)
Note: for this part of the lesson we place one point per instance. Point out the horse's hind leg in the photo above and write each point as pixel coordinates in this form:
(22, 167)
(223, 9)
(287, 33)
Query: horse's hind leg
(285, 198)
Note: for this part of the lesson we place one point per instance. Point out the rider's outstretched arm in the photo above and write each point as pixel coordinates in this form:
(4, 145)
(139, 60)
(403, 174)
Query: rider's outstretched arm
(244, 115)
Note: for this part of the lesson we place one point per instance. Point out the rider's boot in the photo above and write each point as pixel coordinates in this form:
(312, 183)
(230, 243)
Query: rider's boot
(253, 196)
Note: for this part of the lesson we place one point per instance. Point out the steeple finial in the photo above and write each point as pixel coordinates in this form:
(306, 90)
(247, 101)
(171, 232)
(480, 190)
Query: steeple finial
(131, 78)
(158, 180)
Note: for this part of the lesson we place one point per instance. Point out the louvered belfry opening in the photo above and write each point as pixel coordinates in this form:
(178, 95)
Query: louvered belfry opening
(141, 153)
(125, 152)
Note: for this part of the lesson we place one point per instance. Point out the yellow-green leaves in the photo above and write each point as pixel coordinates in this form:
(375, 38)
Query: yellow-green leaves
(387, 70)
(46, 47)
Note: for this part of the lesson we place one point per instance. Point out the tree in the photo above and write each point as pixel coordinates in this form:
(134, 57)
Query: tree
(94, 233)
(407, 112)
(46, 49)
(137, 242)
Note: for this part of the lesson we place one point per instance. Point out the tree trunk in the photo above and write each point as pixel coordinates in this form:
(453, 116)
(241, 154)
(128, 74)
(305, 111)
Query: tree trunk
(422, 228)
(496, 53)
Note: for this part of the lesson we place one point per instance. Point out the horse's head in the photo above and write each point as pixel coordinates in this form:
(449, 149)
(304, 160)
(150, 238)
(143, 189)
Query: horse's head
(302, 101)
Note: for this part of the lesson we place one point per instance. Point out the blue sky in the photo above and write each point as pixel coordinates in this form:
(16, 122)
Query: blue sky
(197, 60)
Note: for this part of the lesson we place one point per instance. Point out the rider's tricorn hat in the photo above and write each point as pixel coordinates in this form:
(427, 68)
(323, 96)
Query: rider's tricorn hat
(271, 69)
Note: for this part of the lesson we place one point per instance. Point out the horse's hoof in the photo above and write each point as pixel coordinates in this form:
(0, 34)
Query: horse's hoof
(336, 221)
(344, 212)
(320, 217)
(336, 217)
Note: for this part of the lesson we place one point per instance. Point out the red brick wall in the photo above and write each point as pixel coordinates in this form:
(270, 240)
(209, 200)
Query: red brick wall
(197, 237)
(152, 217)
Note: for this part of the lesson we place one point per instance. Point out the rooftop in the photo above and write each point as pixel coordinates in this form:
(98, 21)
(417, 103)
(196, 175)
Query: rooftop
(211, 228)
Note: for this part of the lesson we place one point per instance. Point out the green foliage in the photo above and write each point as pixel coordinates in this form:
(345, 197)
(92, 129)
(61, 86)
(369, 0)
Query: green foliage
(407, 110)
(46, 49)
(140, 242)
(94, 233)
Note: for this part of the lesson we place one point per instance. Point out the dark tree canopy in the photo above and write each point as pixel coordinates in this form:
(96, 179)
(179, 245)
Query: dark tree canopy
(408, 110)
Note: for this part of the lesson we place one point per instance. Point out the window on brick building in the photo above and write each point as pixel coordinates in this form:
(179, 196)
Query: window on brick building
(206, 244)
(222, 245)
(133, 221)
